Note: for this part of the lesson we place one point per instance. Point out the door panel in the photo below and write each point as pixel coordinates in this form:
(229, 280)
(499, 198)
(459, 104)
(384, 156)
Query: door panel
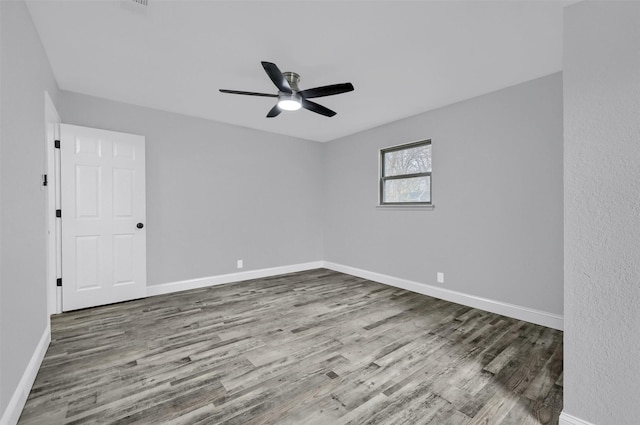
(123, 188)
(123, 267)
(87, 274)
(103, 198)
(88, 194)
(88, 146)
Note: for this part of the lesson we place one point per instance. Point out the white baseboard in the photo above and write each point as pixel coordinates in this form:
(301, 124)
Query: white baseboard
(19, 398)
(517, 312)
(566, 419)
(538, 317)
(183, 285)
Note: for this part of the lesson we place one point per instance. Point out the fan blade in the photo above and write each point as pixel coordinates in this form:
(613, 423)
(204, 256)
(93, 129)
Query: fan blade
(318, 109)
(276, 76)
(248, 93)
(274, 112)
(326, 90)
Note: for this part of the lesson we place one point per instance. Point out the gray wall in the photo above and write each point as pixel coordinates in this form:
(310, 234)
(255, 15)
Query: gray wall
(216, 192)
(25, 75)
(496, 230)
(602, 212)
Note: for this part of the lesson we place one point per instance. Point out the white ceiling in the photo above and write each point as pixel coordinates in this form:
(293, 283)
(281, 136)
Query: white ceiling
(403, 58)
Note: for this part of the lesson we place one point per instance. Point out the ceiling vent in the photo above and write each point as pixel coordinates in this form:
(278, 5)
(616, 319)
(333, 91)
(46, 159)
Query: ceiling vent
(139, 7)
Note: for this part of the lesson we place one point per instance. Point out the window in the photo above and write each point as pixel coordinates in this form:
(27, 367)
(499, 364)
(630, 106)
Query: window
(405, 174)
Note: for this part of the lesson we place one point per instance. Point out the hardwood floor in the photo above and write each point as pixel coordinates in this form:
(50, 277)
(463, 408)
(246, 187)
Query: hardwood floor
(316, 347)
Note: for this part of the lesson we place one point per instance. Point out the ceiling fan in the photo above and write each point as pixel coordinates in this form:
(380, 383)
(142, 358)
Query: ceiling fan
(290, 97)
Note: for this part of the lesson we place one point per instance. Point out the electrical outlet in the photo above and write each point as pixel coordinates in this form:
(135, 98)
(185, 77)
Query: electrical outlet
(440, 277)
(239, 264)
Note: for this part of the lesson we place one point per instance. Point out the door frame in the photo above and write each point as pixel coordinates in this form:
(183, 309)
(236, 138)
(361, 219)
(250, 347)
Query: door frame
(53, 231)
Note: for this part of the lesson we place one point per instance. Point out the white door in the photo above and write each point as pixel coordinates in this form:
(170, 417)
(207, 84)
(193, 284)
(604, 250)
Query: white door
(103, 217)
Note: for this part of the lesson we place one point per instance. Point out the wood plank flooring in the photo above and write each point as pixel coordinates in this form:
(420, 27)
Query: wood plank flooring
(316, 347)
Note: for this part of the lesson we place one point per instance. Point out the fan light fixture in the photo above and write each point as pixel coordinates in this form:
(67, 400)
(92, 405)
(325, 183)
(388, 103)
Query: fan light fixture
(289, 102)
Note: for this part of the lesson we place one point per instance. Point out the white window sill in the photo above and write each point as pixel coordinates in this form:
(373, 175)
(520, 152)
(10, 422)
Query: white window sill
(407, 207)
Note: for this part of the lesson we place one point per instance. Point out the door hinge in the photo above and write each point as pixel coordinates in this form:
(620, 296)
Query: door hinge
(58, 213)
(59, 281)
(57, 144)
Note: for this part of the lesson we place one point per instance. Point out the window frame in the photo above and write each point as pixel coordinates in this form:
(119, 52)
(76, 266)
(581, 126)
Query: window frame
(382, 178)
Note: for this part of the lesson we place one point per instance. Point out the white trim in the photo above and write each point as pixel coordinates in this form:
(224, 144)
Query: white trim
(538, 317)
(430, 207)
(183, 285)
(566, 419)
(52, 170)
(19, 398)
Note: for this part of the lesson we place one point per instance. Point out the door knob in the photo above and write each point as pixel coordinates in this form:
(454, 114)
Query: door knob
(139, 225)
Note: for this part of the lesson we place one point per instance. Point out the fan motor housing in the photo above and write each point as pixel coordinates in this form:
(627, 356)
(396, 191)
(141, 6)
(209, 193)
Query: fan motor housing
(293, 79)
